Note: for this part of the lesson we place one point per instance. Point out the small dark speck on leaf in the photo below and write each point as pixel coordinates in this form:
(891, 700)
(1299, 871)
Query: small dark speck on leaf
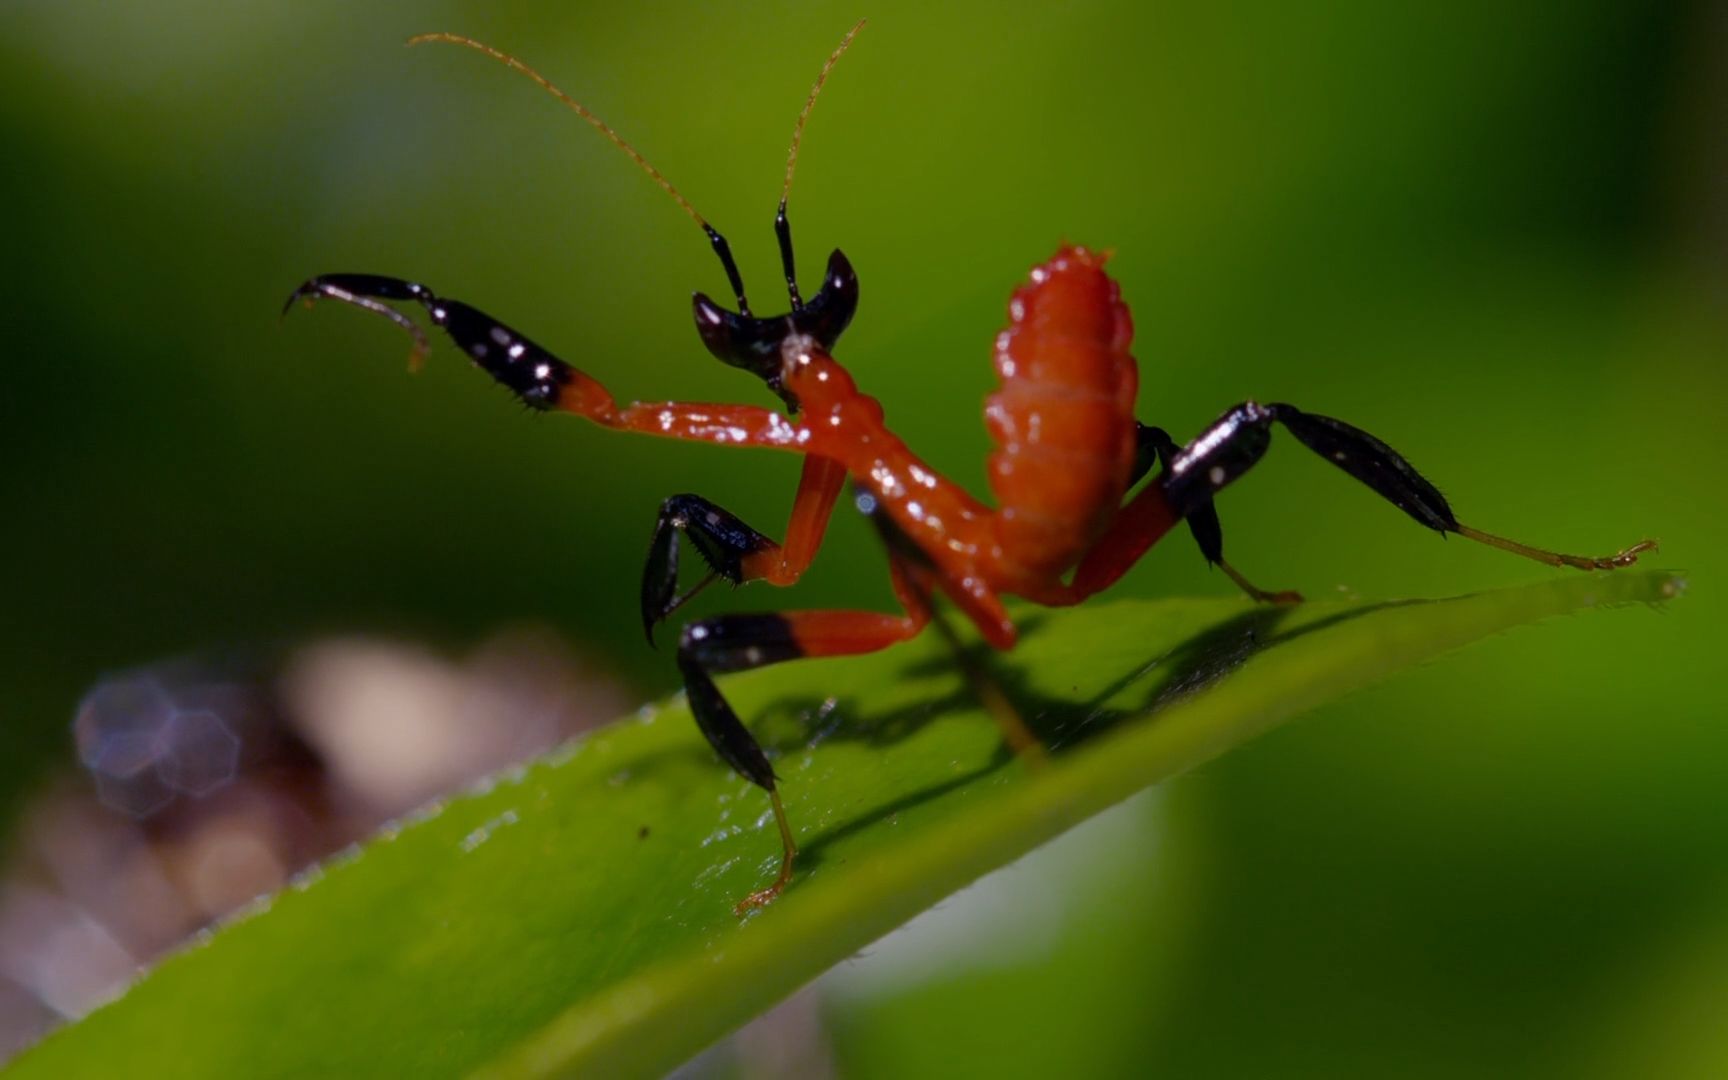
(642, 833)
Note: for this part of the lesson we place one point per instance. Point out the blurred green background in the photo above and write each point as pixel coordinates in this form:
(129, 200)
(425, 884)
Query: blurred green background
(1492, 234)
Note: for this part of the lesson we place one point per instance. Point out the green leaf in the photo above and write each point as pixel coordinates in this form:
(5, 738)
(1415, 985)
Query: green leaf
(576, 916)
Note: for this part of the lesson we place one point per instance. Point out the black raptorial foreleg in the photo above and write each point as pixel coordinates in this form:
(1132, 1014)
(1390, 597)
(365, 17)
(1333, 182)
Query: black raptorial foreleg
(1155, 446)
(720, 537)
(1239, 438)
(530, 371)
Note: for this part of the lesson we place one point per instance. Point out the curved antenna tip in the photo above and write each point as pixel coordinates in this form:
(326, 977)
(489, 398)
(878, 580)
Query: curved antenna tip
(810, 104)
(573, 105)
(436, 35)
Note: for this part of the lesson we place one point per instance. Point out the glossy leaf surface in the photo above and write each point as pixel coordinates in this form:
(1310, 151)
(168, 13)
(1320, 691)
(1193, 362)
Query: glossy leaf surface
(577, 917)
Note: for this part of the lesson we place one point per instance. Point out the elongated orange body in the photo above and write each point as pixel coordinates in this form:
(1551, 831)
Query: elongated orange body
(1063, 421)
(1062, 418)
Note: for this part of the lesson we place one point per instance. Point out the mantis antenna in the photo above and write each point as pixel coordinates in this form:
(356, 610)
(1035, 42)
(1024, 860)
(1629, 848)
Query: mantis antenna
(723, 250)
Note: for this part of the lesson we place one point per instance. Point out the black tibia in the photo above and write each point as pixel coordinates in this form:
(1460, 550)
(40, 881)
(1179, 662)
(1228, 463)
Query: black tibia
(720, 538)
(1202, 514)
(1372, 462)
(1218, 455)
(732, 643)
(1156, 445)
(532, 373)
(1239, 438)
(348, 286)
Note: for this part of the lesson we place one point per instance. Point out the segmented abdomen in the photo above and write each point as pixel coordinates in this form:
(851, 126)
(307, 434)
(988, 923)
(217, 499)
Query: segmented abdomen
(1062, 416)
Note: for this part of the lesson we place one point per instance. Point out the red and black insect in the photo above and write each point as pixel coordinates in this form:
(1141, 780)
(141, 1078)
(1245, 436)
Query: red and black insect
(1067, 522)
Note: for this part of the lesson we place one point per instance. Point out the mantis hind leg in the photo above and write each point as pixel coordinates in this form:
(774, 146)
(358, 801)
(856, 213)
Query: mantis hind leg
(1192, 476)
(1156, 445)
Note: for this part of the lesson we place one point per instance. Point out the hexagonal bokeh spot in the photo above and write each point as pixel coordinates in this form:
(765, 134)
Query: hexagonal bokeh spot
(200, 754)
(130, 707)
(121, 731)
